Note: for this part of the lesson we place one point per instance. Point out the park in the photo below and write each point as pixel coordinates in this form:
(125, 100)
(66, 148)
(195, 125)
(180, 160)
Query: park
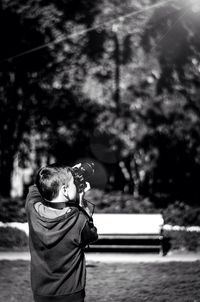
(115, 83)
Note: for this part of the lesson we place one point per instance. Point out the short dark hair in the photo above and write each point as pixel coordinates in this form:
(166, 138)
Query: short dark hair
(49, 180)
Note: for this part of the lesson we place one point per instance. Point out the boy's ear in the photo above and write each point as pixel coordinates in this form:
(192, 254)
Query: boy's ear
(64, 190)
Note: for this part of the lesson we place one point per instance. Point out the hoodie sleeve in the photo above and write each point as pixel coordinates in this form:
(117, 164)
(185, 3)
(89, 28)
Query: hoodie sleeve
(32, 197)
(89, 233)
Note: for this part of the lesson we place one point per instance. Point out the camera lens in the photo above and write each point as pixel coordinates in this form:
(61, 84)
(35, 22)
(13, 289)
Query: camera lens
(87, 169)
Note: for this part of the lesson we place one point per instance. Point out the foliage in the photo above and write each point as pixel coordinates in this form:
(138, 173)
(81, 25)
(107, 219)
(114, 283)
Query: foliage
(183, 240)
(31, 70)
(12, 238)
(171, 34)
(120, 89)
(182, 214)
(170, 138)
(117, 202)
(17, 98)
(12, 210)
(169, 141)
(153, 122)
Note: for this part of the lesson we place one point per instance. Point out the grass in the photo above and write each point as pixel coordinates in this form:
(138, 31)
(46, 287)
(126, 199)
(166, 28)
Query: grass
(117, 282)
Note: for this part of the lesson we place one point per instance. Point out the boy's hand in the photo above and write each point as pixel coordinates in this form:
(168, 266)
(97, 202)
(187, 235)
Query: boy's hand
(82, 201)
(77, 166)
(81, 195)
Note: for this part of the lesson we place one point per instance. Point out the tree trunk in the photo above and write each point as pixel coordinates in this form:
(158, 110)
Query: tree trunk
(6, 168)
(117, 74)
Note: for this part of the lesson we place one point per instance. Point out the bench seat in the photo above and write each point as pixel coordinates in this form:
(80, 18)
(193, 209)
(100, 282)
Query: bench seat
(138, 232)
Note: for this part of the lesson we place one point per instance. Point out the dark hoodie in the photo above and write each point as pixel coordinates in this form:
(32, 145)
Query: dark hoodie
(56, 244)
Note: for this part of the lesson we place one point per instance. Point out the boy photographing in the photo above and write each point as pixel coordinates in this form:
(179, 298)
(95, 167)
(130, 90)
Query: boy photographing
(60, 226)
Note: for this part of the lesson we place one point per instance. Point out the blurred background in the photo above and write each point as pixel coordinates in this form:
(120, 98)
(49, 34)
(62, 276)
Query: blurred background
(116, 83)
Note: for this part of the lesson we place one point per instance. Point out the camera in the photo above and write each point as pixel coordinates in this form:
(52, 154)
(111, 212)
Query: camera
(82, 175)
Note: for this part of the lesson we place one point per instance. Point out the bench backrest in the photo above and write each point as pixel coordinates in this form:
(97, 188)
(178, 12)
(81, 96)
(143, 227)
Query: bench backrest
(128, 223)
(117, 224)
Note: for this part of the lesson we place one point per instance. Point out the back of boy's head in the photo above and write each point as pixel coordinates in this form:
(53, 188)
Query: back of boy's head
(50, 179)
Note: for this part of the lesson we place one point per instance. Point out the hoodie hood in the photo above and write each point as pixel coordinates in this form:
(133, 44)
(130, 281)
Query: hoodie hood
(48, 230)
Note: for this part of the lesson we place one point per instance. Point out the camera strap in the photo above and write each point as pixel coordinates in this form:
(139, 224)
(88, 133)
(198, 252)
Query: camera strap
(59, 205)
(62, 205)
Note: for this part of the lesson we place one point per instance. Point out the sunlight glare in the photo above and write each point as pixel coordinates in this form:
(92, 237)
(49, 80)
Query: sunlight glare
(195, 6)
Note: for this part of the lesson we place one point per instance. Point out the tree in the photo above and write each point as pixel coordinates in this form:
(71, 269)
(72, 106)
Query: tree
(114, 63)
(30, 58)
(171, 139)
(158, 123)
(19, 88)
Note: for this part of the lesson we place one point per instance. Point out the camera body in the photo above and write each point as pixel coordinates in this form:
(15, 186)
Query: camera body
(82, 175)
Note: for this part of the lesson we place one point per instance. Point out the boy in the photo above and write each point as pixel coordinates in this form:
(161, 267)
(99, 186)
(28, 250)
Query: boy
(59, 229)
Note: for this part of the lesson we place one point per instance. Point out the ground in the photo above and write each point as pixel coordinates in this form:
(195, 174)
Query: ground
(119, 282)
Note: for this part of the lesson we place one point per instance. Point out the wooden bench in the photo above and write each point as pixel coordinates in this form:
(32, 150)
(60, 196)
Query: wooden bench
(124, 232)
